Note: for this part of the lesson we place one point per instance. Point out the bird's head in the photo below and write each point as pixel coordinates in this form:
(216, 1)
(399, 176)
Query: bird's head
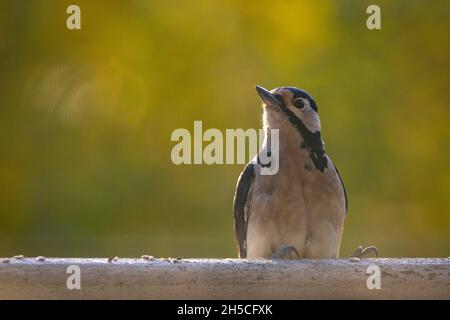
(295, 105)
(294, 112)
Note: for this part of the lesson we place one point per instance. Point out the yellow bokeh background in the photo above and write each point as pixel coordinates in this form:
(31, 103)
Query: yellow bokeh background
(86, 118)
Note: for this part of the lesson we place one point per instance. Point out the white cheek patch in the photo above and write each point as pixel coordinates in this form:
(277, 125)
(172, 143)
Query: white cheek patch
(309, 117)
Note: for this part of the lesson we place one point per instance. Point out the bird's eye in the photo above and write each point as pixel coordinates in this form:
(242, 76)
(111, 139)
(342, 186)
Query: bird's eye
(299, 103)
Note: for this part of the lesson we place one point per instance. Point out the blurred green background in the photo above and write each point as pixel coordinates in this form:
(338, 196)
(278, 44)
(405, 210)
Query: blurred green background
(86, 118)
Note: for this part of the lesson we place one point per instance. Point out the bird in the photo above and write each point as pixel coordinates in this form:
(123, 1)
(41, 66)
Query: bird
(299, 212)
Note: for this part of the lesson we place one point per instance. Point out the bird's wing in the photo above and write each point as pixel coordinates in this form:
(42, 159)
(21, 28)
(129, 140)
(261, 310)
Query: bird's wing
(343, 187)
(241, 207)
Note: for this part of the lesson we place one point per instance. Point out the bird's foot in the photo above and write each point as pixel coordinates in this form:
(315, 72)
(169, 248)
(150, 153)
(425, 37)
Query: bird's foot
(285, 252)
(360, 252)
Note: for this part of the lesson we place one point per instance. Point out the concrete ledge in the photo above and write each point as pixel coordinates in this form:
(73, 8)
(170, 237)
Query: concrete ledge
(29, 278)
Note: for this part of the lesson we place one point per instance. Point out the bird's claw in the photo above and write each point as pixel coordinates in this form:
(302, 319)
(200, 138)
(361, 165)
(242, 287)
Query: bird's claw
(284, 252)
(360, 252)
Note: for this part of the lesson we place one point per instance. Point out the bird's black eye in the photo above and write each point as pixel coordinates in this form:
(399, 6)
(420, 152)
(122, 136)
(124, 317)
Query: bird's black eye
(299, 103)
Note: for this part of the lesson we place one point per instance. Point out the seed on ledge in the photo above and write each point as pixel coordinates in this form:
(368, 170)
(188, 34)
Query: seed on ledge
(19, 257)
(172, 260)
(147, 257)
(40, 258)
(113, 259)
(354, 259)
(5, 260)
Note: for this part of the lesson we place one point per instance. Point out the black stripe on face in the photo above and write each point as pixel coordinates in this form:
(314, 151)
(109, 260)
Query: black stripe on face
(311, 140)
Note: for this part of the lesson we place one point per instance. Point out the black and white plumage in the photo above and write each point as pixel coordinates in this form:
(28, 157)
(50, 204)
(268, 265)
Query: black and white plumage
(303, 206)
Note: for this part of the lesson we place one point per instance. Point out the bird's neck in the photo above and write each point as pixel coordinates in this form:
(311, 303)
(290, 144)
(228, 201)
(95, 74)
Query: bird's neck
(289, 136)
(291, 139)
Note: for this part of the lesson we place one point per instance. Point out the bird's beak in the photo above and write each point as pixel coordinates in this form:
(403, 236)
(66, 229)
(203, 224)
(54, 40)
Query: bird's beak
(266, 97)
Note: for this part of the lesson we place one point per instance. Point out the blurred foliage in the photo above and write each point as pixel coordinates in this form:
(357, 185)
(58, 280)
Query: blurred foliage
(86, 118)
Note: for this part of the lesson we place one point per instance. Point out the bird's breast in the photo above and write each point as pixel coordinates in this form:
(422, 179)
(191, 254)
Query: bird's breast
(298, 190)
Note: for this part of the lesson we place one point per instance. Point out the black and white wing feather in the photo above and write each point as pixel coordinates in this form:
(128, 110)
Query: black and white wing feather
(241, 207)
(343, 188)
